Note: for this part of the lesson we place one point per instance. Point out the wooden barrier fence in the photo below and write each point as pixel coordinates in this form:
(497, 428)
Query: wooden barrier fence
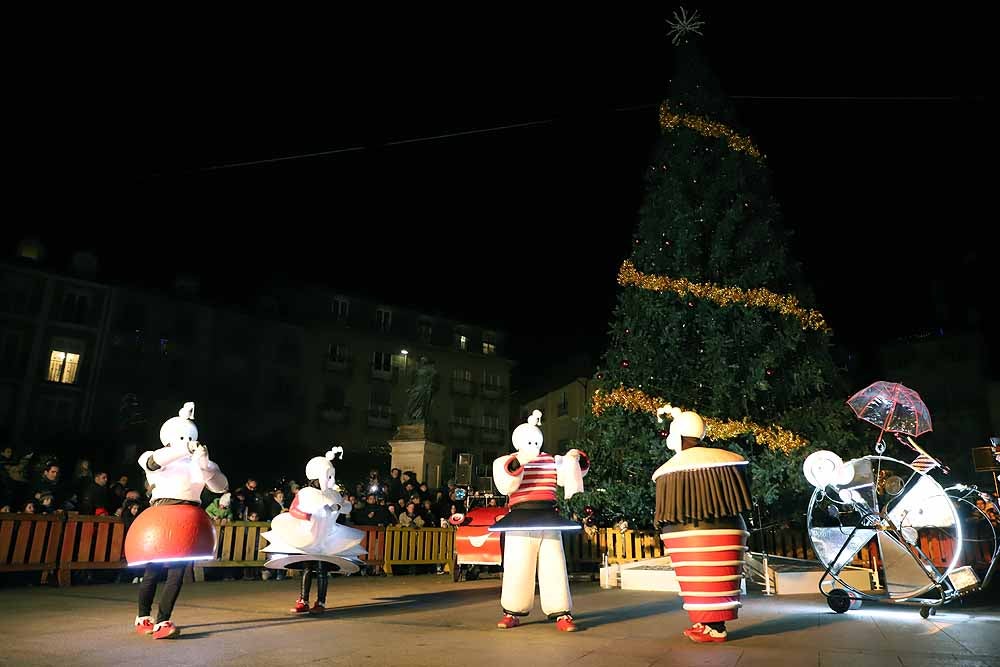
(91, 543)
(584, 549)
(30, 542)
(67, 542)
(420, 546)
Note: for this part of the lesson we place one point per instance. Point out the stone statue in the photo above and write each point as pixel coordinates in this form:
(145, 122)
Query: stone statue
(421, 393)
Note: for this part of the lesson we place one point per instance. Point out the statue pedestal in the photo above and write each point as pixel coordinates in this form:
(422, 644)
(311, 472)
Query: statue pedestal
(411, 450)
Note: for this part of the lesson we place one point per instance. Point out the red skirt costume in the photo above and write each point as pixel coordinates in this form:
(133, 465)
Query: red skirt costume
(700, 493)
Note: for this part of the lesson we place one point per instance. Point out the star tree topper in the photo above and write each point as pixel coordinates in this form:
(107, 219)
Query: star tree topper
(683, 25)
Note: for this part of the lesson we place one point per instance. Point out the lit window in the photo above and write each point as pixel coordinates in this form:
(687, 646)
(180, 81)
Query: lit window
(463, 343)
(62, 367)
(489, 343)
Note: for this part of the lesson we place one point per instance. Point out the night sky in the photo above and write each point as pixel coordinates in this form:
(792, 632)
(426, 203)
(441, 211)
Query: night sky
(874, 123)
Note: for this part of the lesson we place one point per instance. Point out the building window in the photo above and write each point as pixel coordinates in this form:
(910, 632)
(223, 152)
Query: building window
(382, 361)
(333, 396)
(340, 307)
(461, 342)
(164, 346)
(425, 330)
(489, 343)
(493, 422)
(338, 352)
(63, 366)
(75, 306)
(563, 407)
(10, 350)
(491, 381)
(383, 319)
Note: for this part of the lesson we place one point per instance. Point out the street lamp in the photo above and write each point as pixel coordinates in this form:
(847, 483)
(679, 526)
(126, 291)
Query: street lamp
(406, 356)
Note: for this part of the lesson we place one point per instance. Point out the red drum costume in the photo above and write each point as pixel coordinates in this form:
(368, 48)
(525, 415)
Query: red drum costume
(175, 530)
(700, 493)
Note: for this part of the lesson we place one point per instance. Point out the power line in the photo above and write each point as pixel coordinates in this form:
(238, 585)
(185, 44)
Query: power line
(549, 121)
(400, 142)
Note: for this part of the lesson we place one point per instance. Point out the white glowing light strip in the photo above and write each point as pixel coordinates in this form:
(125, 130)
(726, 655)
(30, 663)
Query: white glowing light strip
(709, 594)
(531, 528)
(171, 560)
(711, 607)
(713, 531)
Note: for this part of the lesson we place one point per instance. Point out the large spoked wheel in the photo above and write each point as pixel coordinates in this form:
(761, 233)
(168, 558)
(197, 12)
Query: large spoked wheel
(885, 505)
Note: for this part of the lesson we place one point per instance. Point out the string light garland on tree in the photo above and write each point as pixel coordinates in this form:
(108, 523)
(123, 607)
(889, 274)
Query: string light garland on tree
(724, 296)
(708, 128)
(774, 437)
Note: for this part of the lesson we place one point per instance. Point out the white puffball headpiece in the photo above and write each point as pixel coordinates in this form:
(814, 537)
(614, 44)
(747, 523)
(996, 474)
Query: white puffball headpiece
(528, 434)
(179, 429)
(684, 424)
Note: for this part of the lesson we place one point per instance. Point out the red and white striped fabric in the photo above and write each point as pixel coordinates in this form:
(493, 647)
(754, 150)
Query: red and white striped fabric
(924, 463)
(709, 568)
(538, 481)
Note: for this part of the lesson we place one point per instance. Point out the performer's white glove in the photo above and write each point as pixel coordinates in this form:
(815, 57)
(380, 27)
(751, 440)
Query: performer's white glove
(573, 454)
(199, 454)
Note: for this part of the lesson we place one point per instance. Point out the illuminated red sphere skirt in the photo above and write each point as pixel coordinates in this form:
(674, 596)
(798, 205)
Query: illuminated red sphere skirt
(170, 533)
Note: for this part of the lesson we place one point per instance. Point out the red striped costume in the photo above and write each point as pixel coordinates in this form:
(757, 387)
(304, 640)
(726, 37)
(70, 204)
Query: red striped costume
(700, 493)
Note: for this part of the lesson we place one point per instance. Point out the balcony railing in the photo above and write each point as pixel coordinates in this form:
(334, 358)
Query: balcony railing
(491, 390)
(459, 386)
(462, 431)
(345, 365)
(491, 435)
(335, 414)
(380, 416)
(386, 375)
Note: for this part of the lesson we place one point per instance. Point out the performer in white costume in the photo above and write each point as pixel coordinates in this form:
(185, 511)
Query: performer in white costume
(700, 493)
(308, 536)
(175, 530)
(533, 528)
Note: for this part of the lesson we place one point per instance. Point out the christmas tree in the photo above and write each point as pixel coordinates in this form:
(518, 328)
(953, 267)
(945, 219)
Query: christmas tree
(710, 318)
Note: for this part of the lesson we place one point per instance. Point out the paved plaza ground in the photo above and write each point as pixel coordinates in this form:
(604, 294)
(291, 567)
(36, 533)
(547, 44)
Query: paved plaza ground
(414, 621)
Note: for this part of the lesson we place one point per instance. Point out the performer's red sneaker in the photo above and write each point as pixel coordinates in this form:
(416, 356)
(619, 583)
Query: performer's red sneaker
(566, 624)
(301, 607)
(165, 630)
(508, 621)
(318, 608)
(703, 634)
(143, 625)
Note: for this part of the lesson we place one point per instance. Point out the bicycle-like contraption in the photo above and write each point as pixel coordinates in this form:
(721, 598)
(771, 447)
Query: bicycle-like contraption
(911, 524)
(922, 551)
